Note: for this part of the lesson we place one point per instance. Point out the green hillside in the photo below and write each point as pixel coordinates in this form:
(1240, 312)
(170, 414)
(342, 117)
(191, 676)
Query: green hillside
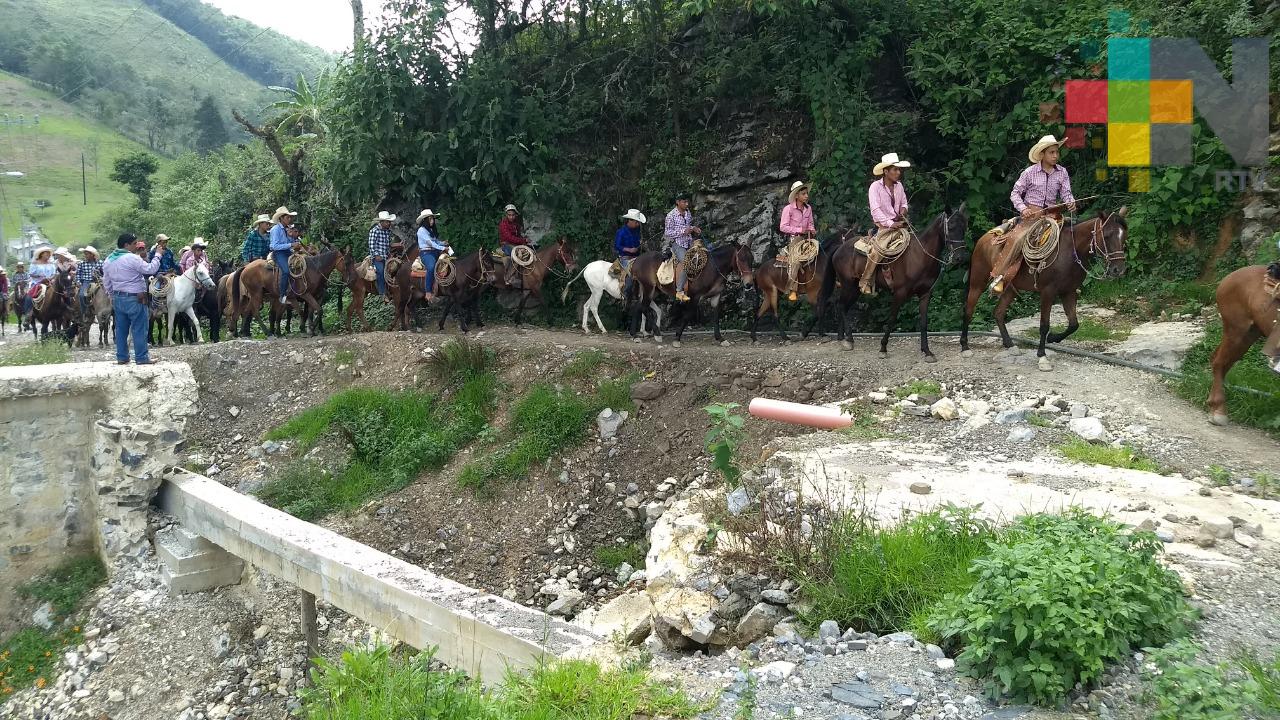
(49, 155)
(131, 68)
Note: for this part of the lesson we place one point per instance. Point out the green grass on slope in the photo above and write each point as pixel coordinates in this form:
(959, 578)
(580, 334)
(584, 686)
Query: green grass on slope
(49, 156)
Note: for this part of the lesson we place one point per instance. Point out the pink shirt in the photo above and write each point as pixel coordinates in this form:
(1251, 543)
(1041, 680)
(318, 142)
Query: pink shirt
(887, 205)
(1041, 189)
(797, 221)
(189, 259)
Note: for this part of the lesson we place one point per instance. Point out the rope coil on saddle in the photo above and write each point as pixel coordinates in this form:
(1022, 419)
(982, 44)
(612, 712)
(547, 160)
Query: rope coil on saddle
(446, 273)
(1040, 243)
(392, 270)
(695, 260)
(523, 255)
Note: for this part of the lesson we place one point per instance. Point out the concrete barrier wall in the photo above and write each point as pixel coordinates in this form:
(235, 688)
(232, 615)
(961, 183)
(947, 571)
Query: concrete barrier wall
(82, 450)
(478, 633)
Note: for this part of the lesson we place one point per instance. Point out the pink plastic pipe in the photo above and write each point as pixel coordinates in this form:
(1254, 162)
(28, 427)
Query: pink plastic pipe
(799, 413)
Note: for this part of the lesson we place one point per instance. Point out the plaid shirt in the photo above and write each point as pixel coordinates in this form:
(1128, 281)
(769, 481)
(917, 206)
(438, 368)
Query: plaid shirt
(87, 270)
(379, 241)
(676, 227)
(1041, 189)
(255, 246)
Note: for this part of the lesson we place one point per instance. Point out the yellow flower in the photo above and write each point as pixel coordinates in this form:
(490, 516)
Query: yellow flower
(31, 668)
(41, 682)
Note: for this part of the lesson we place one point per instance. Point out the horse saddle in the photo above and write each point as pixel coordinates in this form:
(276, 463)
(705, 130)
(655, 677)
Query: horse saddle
(417, 269)
(366, 270)
(667, 271)
(41, 296)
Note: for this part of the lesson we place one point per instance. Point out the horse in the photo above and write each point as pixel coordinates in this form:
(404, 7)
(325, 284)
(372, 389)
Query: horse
(60, 309)
(182, 296)
(404, 289)
(599, 280)
(19, 294)
(360, 289)
(723, 260)
(309, 288)
(532, 277)
(915, 272)
(471, 273)
(98, 308)
(771, 280)
(1059, 279)
(1248, 300)
(4, 312)
(248, 288)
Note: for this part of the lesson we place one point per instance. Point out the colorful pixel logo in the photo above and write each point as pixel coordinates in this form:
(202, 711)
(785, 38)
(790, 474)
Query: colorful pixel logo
(1151, 88)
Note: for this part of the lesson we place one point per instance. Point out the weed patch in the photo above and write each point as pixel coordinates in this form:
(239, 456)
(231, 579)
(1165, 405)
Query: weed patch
(1182, 688)
(344, 357)
(36, 353)
(613, 556)
(31, 654)
(865, 425)
(66, 586)
(584, 364)
(393, 436)
(919, 387)
(1080, 451)
(1090, 330)
(461, 359)
(1039, 420)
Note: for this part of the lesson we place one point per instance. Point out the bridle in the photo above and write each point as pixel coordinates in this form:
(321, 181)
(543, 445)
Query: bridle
(951, 245)
(1098, 247)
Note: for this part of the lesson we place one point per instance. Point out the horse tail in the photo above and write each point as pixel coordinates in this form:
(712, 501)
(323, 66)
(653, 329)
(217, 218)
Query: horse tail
(234, 300)
(826, 261)
(564, 294)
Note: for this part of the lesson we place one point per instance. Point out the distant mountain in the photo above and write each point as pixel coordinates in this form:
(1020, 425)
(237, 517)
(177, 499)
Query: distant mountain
(144, 67)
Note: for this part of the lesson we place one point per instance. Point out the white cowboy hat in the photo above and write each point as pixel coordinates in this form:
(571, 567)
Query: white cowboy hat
(886, 161)
(282, 210)
(64, 253)
(384, 215)
(512, 208)
(263, 218)
(1038, 149)
(162, 238)
(42, 250)
(21, 264)
(184, 249)
(426, 214)
(634, 214)
(199, 243)
(90, 249)
(796, 187)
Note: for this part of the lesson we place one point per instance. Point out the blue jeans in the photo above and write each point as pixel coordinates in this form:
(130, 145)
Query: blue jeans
(679, 253)
(381, 267)
(84, 297)
(506, 250)
(429, 263)
(131, 319)
(282, 265)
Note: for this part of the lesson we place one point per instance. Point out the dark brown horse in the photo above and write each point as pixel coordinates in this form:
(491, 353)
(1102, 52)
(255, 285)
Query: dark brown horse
(471, 274)
(360, 289)
(1248, 300)
(254, 285)
(309, 288)
(771, 285)
(19, 293)
(1060, 280)
(61, 309)
(4, 311)
(404, 289)
(722, 261)
(914, 274)
(532, 277)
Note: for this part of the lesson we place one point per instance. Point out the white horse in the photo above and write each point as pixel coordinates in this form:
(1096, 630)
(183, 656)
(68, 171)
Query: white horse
(600, 281)
(182, 296)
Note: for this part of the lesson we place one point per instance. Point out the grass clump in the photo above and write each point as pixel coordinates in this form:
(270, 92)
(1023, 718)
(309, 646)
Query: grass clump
(613, 556)
(462, 359)
(1089, 330)
(919, 387)
(1055, 599)
(344, 357)
(377, 683)
(886, 578)
(1183, 688)
(36, 353)
(67, 585)
(584, 364)
(865, 425)
(30, 654)
(393, 436)
(1122, 457)
(1218, 475)
(1038, 420)
(1247, 408)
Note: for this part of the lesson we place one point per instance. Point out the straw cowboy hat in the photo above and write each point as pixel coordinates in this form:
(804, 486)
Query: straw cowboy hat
(199, 243)
(90, 249)
(282, 210)
(1045, 143)
(511, 208)
(162, 238)
(64, 253)
(796, 187)
(384, 215)
(42, 250)
(426, 214)
(21, 265)
(634, 214)
(263, 218)
(888, 160)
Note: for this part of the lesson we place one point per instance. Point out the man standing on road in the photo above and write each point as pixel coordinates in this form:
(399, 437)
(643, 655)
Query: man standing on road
(124, 275)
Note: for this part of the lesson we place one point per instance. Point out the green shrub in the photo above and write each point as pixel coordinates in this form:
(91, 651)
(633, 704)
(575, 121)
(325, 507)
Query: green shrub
(1265, 676)
(36, 353)
(461, 359)
(612, 556)
(1058, 597)
(1183, 689)
(885, 579)
(919, 387)
(723, 438)
(67, 585)
(1117, 457)
(1218, 475)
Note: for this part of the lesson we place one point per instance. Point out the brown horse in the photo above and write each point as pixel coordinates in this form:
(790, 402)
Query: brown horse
(308, 288)
(61, 309)
(98, 308)
(253, 285)
(914, 274)
(722, 261)
(771, 283)
(471, 273)
(360, 289)
(1248, 301)
(16, 298)
(4, 312)
(532, 277)
(1060, 279)
(407, 290)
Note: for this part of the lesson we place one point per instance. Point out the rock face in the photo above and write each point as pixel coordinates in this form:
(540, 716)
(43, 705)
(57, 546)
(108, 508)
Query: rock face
(682, 614)
(1160, 344)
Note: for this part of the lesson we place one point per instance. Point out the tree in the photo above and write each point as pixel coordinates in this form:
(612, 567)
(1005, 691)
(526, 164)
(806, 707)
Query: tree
(211, 133)
(135, 171)
(158, 121)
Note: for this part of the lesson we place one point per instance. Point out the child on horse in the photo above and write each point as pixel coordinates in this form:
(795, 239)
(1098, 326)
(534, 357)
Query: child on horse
(1043, 185)
(797, 223)
(680, 231)
(626, 243)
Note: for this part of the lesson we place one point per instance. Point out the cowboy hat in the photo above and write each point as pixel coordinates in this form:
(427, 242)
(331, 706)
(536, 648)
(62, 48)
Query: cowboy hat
(796, 187)
(21, 264)
(282, 210)
(384, 215)
(511, 208)
(263, 218)
(199, 243)
(89, 249)
(890, 159)
(1045, 143)
(162, 238)
(184, 249)
(64, 253)
(42, 250)
(634, 214)
(426, 214)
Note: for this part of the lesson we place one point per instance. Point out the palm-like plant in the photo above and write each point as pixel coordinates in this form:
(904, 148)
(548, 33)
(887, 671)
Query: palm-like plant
(303, 107)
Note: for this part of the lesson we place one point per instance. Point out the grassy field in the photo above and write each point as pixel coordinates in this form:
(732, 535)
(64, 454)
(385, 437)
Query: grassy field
(49, 155)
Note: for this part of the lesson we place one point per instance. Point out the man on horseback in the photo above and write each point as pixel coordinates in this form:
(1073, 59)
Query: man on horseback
(887, 198)
(86, 273)
(626, 243)
(1043, 185)
(162, 251)
(380, 239)
(258, 242)
(680, 231)
(195, 255)
(797, 224)
(281, 246)
(511, 234)
(430, 248)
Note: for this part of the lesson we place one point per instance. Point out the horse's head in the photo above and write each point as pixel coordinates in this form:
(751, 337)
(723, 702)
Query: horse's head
(954, 226)
(1109, 238)
(564, 251)
(741, 263)
(201, 275)
(223, 267)
(343, 262)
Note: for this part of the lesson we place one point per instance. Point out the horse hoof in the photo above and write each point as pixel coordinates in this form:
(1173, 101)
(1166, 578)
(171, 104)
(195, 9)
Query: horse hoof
(1219, 419)
(1045, 365)
(676, 344)
(657, 339)
(724, 343)
(930, 359)
(966, 354)
(846, 345)
(884, 355)
(635, 339)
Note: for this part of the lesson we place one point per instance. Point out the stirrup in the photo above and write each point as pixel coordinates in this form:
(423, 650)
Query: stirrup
(680, 296)
(997, 285)
(793, 297)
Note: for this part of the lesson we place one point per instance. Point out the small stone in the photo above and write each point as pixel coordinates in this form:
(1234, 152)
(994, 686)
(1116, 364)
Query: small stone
(1079, 410)
(934, 652)
(944, 409)
(921, 488)
(97, 658)
(234, 411)
(857, 644)
(43, 616)
(115, 696)
(286, 673)
(878, 397)
(1164, 534)
(565, 603)
(647, 391)
(774, 671)
(829, 629)
(775, 596)
(1012, 417)
(608, 422)
(1088, 428)
(856, 694)
(758, 622)
(738, 501)
(624, 573)
(975, 407)
(1245, 540)
(909, 408)
(945, 663)
(1219, 527)
(1021, 434)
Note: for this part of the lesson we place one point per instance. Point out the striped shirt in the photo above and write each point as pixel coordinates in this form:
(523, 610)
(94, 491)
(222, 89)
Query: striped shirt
(87, 270)
(676, 227)
(1040, 189)
(379, 241)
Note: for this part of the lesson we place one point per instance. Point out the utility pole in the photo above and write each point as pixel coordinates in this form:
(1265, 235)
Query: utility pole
(4, 246)
(84, 187)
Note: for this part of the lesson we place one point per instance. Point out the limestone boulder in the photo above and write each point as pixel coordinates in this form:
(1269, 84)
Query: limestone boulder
(628, 616)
